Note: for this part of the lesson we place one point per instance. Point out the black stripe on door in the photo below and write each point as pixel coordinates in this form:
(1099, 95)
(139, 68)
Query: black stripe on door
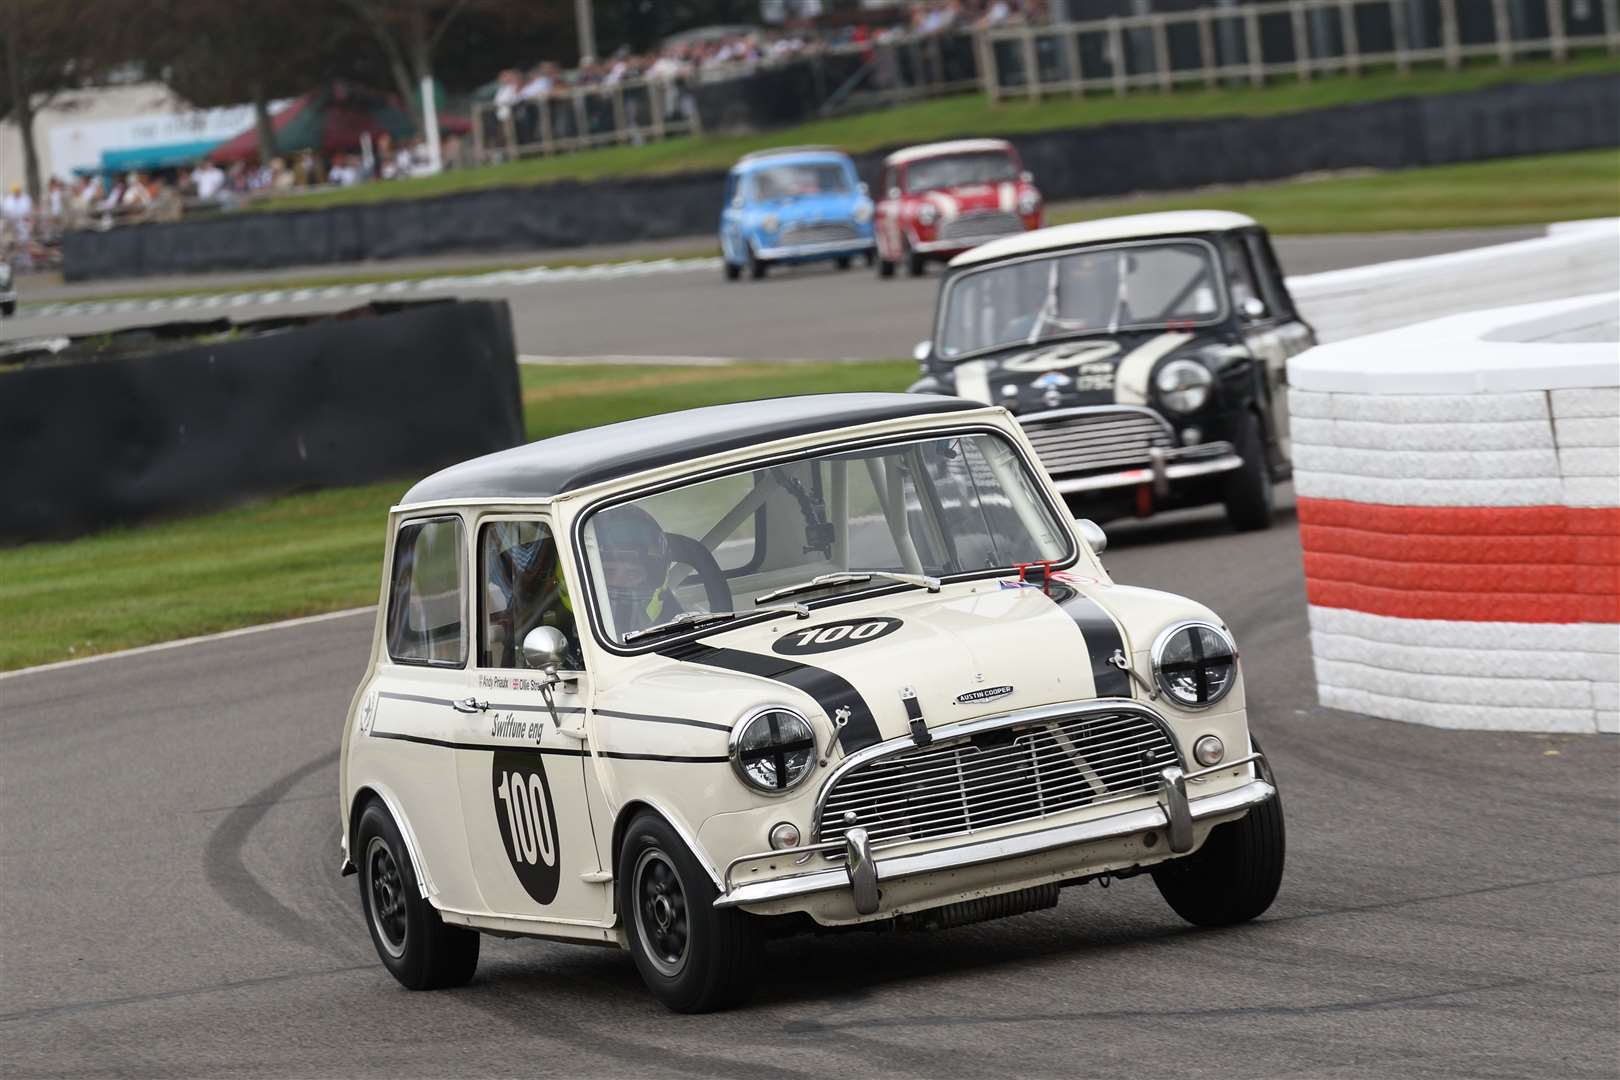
(856, 727)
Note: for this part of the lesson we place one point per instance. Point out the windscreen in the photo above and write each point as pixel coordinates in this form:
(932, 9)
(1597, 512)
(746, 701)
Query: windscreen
(936, 506)
(960, 170)
(1098, 289)
(792, 181)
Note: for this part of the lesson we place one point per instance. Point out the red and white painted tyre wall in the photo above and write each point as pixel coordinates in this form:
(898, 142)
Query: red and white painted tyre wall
(1458, 485)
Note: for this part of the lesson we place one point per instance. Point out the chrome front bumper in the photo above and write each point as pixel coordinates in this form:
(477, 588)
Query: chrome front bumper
(856, 246)
(1165, 467)
(863, 871)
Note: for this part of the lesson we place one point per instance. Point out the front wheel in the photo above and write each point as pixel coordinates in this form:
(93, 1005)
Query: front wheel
(843, 261)
(916, 265)
(885, 268)
(1235, 876)
(413, 943)
(693, 956)
(1248, 495)
(8, 308)
(757, 267)
(733, 271)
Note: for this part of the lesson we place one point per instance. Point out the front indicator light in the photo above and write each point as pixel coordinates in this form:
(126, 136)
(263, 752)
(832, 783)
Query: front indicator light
(1207, 751)
(784, 834)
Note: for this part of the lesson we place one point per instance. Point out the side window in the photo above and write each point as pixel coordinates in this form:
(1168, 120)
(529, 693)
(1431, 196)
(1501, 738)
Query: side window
(1240, 278)
(427, 594)
(521, 586)
(1272, 287)
(731, 187)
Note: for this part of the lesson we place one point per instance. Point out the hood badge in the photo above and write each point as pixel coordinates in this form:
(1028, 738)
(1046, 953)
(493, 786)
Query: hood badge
(988, 693)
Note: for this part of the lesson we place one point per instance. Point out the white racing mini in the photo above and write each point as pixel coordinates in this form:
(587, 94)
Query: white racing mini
(685, 683)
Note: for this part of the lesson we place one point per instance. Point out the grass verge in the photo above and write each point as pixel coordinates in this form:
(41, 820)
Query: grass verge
(953, 117)
(1512, 191)
(321, 551)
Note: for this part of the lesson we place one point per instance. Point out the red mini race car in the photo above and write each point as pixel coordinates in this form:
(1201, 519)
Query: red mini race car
(940, 199)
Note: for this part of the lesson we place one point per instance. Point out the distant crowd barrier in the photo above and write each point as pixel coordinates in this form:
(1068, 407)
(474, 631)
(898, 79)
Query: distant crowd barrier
(1458, 485)
(1108, 160)
(179, 417)
(1575, 258)
(1283, 39)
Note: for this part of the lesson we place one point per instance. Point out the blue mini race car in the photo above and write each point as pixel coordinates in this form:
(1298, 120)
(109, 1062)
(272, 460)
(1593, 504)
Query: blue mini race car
(791, 206)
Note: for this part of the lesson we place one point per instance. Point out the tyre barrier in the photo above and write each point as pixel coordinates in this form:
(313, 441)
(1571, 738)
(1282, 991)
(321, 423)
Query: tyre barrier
(1458, 486)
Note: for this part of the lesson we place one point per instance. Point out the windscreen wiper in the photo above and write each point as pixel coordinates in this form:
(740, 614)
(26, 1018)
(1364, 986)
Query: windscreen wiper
(922, 581)
(694, 618)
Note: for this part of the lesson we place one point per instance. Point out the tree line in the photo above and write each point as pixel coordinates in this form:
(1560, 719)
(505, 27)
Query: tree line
(228, 52)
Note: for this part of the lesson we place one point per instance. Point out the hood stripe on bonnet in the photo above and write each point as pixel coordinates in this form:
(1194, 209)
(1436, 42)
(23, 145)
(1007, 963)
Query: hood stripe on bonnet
(1102, 639)
(832, 692)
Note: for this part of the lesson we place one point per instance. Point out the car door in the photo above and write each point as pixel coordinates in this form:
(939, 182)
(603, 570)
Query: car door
(409, 719)
(730, 213)
(524, 764)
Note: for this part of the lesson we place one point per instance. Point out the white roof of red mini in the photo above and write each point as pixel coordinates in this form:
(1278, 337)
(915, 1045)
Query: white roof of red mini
(941, 149)
(1102, 230)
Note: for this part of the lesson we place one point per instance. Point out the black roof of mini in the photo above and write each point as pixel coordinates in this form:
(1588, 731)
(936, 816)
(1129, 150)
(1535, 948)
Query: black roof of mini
(582, 458)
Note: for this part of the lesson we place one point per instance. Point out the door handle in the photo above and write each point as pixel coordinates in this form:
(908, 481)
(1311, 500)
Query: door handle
(469, 705)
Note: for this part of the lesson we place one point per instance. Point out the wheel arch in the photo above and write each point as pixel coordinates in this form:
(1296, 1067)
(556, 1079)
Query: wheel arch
(621, 824)
(413, 850)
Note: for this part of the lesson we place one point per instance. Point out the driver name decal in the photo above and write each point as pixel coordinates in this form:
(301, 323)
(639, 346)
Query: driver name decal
(835, 635)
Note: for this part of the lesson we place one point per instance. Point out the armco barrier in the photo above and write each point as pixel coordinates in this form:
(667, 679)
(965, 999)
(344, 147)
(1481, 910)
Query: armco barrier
(1112, 159)
(389, 391)
(1575, 258)
(1458, 485)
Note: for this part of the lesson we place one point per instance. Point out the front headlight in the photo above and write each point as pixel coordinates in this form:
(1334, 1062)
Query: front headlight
(1029, 202)
(863, 211)
(769, 223)
(927, 214)
(773, 750)
(1184, 385)
(1195, 664)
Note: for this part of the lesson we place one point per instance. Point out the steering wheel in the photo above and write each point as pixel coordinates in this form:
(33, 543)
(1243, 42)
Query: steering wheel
(685, 551)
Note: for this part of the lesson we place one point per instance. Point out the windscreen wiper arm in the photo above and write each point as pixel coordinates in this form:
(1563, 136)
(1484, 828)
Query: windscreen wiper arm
(694, 618)
(922, 581)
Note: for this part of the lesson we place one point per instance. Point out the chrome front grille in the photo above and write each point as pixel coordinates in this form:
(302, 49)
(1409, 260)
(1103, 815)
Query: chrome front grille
(980, 225)
(1003, 776)
(1087, 439)
(829, 233)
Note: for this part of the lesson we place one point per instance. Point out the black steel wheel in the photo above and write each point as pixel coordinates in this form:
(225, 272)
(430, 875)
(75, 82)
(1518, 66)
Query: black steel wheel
(1248, 494)
(693, 956)
(413, 943)
(885, 268)
(733, 271)
(757, 267)
(870, 256)
(1235, 876)
(843, 261)
(916, 264)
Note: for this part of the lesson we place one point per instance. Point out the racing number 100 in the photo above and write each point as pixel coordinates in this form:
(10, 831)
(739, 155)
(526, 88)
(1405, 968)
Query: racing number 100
(527, 818)
(826, 635)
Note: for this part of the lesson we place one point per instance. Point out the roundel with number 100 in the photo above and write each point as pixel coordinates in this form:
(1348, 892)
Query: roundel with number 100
(528, 822)
(835, 635)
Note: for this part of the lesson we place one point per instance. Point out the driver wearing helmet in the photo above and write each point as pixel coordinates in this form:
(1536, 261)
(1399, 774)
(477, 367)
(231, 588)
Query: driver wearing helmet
(529, 590)
(634, 555)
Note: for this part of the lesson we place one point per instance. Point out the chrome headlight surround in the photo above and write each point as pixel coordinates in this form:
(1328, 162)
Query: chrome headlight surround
(1183, 385)
(773, 758)
(863, 211)
(1193, 647)
(927, 214)
(769, 223)
(1029, 201)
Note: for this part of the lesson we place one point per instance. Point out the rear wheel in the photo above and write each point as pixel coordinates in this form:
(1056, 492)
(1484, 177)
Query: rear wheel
(8, 308)
(1235, 876)
(693, 956)
(412, 941)
(1248, 493)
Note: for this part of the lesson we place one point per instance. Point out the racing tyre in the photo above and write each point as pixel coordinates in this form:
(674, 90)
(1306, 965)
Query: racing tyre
(757, 267)
(8, 308)
(843, 262)
(733, 271)
(1234, 877)
(412, 941)
(1248, 494)
(870, 256)
(693, 956)
(885, 268)
(916, 265)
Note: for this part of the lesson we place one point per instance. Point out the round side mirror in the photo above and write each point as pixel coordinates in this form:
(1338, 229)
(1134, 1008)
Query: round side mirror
(1093, 535)
(544, 647)
(1254, 307)
(736, 202)
(919, 351)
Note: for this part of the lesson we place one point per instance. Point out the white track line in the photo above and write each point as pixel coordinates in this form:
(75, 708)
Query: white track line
(181, 643)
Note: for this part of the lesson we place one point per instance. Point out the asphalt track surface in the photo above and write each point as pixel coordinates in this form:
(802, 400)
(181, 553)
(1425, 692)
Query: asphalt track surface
(171, 904)
(811, 312)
